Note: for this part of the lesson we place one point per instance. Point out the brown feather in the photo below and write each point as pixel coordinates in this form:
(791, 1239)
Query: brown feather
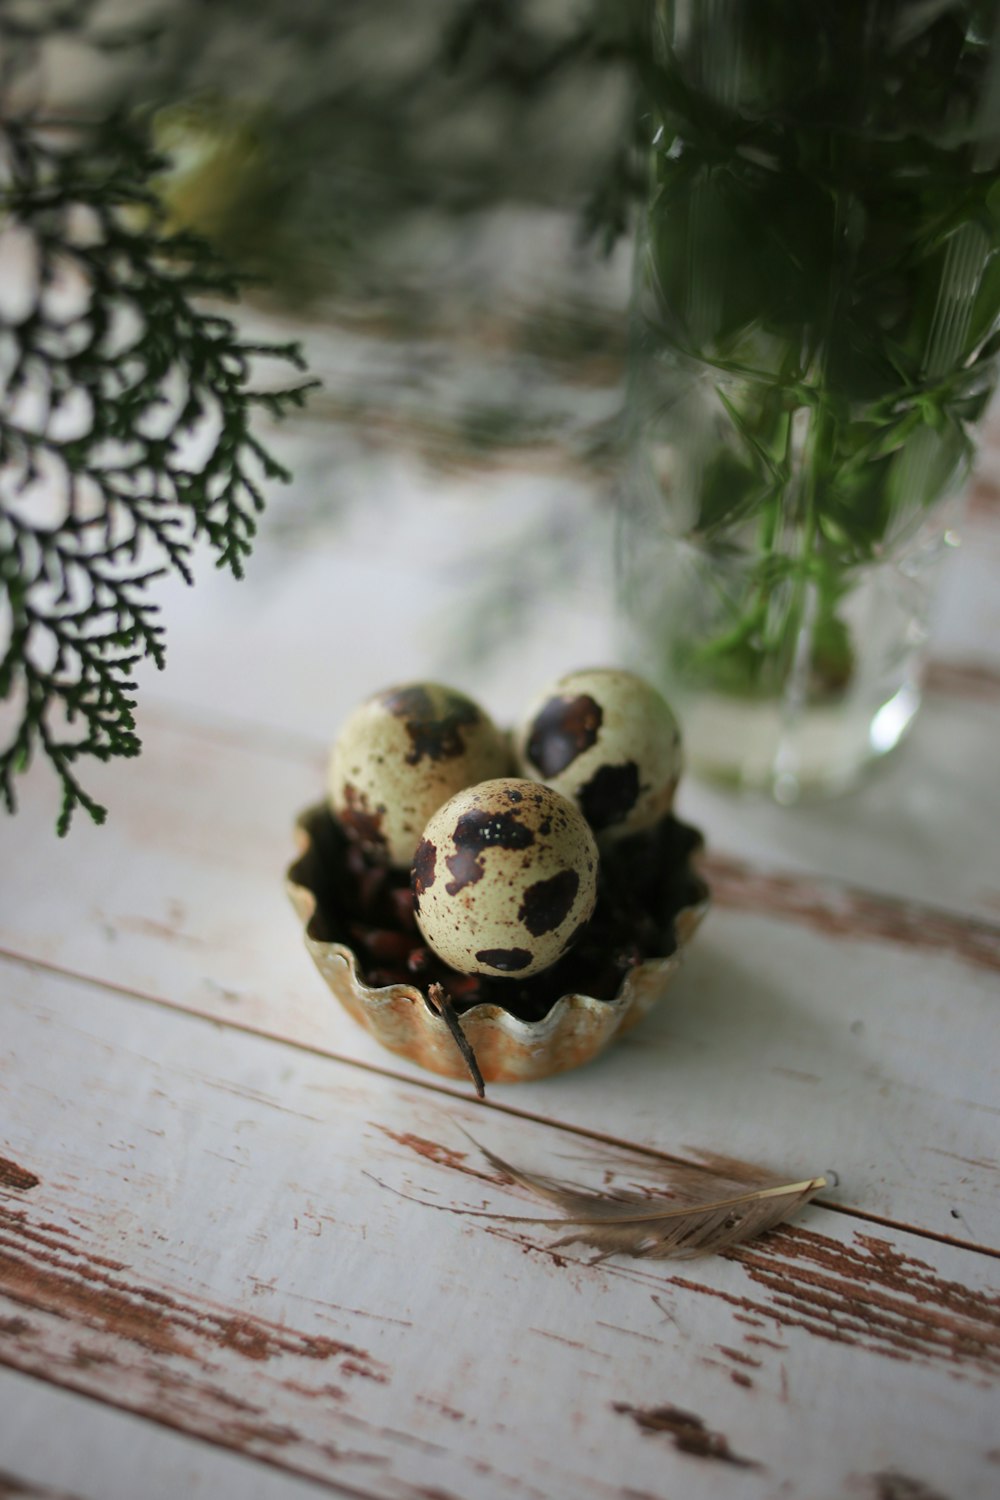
(693, 1221)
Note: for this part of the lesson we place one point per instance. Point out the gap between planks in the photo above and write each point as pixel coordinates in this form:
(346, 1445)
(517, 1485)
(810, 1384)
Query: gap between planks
(971, 681)
(14, 1488)
(827, 903)
(160, 1419)
(434, 1085)
(946, 677)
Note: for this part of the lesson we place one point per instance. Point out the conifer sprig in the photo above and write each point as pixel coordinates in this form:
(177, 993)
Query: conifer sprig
(126, 435)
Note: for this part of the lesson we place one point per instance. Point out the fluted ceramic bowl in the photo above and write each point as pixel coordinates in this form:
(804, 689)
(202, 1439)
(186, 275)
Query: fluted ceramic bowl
(508, 1048)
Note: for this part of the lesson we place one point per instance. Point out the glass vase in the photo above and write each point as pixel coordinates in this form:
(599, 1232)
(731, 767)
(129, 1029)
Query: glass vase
(814, 339)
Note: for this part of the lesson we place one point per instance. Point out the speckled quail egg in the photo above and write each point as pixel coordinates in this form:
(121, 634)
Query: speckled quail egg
(402, 753)
(504, 878)
(608, 741)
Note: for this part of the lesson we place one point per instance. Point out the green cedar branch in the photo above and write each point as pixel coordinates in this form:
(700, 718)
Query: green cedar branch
(126, 437)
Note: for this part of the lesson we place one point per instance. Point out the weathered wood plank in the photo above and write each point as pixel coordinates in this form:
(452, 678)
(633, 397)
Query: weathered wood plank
(196, 1274)
(451, 576)
(417, 563)
(13, 1488)
(278, 655)
(223, 1238)
(57, 1445)
(920, 828)
(808, 1013)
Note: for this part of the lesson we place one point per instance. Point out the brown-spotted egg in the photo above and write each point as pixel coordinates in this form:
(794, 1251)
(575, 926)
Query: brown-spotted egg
(608, 741)
(402, 753)
(504, 878)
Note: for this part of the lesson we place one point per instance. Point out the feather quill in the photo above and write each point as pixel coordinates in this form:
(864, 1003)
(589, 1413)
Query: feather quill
(618, 1223)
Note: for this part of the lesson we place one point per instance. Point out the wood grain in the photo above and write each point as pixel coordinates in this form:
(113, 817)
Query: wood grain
(811, 1009)
(12, 1488)
(832, 907)
(195, 1253)
(240, 1250)
(58, 1445)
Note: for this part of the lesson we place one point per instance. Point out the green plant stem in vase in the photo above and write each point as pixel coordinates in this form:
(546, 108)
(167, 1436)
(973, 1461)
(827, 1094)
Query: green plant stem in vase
(817, 294)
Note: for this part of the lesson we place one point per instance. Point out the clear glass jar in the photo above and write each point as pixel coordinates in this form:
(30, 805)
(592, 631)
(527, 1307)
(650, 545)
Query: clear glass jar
(814, 338)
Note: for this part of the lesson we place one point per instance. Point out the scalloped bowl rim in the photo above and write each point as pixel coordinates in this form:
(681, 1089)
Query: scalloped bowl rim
(641, 987)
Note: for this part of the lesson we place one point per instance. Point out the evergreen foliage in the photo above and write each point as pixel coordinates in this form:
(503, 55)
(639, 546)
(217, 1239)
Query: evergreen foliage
(126, 436)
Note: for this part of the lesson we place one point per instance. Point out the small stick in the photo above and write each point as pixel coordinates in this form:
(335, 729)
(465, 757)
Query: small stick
(440, 1002)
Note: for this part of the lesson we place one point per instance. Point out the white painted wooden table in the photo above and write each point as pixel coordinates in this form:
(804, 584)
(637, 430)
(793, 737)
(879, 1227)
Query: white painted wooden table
(215, 1278)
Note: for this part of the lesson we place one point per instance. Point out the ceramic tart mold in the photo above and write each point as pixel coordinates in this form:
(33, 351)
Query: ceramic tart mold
(518, 1032)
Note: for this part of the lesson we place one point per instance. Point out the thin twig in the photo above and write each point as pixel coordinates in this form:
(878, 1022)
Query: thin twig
(440, 1002)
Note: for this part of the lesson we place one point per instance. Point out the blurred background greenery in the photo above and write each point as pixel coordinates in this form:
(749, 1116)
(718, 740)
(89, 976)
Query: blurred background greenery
(457, 177)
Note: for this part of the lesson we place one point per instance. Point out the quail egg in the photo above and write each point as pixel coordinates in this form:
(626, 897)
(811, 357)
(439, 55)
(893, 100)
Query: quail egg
(504, 878)
(608, 741)
(402, 753)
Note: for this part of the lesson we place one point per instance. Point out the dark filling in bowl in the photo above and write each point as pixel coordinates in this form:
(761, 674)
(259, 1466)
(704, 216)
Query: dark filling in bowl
(645, 880)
